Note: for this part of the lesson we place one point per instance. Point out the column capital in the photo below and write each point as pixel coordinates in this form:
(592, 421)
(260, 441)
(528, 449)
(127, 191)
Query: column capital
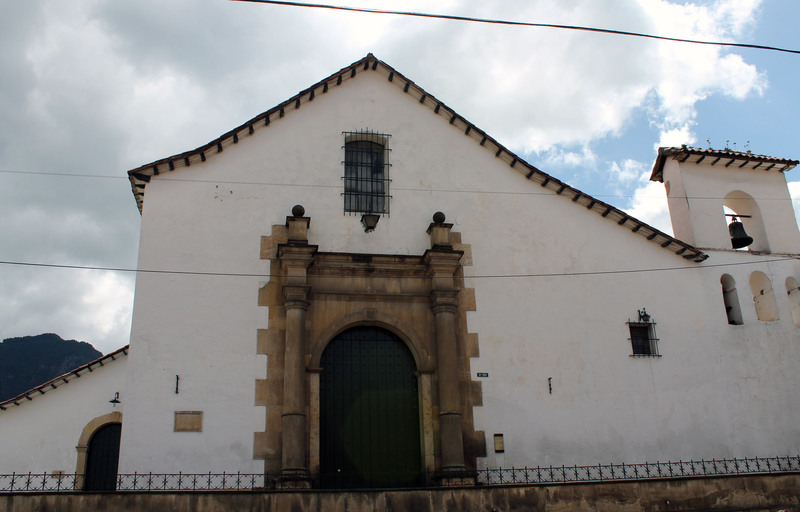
(442, 267)
(297, 254)
(294, 262)
(295, 297)
(442, 259)
(444, 301)
(295, 304)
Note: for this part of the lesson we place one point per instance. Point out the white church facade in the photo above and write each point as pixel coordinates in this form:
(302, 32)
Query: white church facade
(360, 288)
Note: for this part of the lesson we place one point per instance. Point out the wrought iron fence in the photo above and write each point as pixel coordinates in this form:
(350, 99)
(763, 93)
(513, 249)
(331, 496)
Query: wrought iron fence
(644, 471)
(59, 482)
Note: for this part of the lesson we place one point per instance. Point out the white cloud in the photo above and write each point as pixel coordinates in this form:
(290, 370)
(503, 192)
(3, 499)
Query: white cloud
(649, 204)
(560, 157)
(676, 136)
(735, 15)
(97, 87)
(690, 73)
(106, 308)
(92, 306)
(532, 87)
(537, 87)
(628, 171)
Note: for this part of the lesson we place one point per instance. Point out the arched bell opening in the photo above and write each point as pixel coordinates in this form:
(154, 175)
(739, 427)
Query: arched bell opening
(730, 298)
(370, 429)
(745, 224)
(763, 297)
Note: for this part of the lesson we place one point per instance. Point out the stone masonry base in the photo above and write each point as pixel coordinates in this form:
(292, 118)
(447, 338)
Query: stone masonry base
(761, 493)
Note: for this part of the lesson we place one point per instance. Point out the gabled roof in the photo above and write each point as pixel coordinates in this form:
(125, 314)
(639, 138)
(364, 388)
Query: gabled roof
(723, 158)
(64, 379)
(140, 176)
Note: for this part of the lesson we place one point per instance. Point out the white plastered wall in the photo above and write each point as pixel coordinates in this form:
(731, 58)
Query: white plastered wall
(40, 435)
(718, 390)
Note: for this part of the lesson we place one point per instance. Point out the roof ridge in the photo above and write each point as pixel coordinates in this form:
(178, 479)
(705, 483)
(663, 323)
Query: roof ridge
(684, 152)
(100, 361)
(140, 176)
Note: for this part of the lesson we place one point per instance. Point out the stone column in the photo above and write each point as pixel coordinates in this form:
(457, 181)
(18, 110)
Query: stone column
(295, 258)
(293, 454)
(443, 262)
(451, 442)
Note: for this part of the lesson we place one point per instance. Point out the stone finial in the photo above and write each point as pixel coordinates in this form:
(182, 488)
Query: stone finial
(298, 226)
(440, 233)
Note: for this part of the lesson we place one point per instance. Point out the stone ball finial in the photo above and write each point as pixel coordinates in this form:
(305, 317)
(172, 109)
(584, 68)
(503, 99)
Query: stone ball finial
(438, 218)
(298, 210)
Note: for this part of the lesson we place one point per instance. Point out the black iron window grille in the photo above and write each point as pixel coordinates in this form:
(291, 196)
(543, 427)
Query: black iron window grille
(366, 172)
(643, 336)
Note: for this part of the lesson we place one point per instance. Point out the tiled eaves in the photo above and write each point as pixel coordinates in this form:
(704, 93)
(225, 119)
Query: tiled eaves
(63, 379)
(543, 179)
(141, 176)
(723, 158)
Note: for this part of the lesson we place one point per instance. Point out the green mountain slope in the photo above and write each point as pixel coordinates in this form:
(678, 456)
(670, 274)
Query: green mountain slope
(28, 361)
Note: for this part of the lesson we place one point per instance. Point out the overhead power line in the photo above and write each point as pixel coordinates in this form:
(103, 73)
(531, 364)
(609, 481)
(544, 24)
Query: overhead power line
(521, 23)
(162, 177)
(487, 276)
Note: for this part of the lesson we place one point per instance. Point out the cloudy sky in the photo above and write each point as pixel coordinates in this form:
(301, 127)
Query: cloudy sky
(92, 88)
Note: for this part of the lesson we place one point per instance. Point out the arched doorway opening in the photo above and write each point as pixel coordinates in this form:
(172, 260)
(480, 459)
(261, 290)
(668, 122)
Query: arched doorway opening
(369, 412)
(102, 458)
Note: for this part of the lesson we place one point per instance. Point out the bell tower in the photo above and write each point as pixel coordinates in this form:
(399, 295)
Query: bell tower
(706, 188)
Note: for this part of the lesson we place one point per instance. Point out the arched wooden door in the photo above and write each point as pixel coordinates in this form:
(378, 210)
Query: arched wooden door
(102, 459)
(369, 412)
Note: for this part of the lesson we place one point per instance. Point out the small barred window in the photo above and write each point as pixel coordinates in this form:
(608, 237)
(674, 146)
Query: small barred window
(643, 336)
(366, 173)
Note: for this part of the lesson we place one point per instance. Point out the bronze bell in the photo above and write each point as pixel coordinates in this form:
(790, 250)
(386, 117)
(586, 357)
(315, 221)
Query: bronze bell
(739, 238)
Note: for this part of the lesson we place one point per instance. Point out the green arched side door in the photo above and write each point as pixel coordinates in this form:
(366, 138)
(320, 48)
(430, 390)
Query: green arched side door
(102, 458)
(369, 412)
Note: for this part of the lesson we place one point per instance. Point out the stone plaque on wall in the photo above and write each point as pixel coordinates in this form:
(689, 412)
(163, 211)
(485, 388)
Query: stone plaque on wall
(188, 421)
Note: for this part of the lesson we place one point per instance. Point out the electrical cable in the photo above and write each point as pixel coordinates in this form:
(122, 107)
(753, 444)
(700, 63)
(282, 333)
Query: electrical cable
(486, 276)
(394, 188)
(521, 23)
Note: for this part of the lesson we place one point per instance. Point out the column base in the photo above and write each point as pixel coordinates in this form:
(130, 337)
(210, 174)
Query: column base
(294, 479)
(456, 477)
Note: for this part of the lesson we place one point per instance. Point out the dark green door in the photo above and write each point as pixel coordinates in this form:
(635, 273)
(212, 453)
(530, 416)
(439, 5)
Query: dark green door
(102, 458)
(369, 412)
